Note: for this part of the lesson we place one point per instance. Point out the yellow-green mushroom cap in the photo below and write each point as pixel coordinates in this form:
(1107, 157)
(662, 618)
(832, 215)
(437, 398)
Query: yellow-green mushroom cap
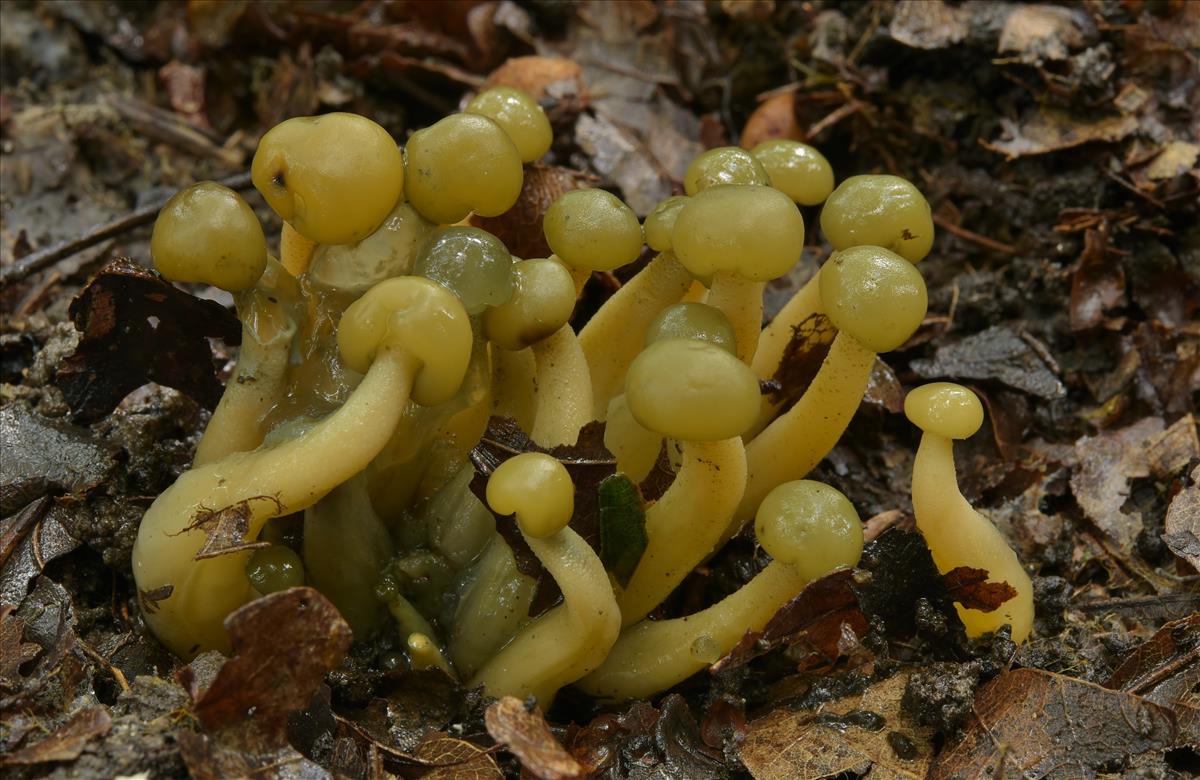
(537, 489)
(798, 170)
(697, 321)
(754, 232)
(810, 526)
(660, 223)
(944, 409)
(334, 177)
(519, 115)
(875, 295)
(593, 230)
(417, 315)
(721, 166)
(542, 301)
(691, 391)
(208, 234)
(471, 263)
(463, 163)
(884, 211)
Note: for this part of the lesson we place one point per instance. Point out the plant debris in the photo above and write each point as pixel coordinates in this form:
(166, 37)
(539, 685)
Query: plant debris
(136, 329)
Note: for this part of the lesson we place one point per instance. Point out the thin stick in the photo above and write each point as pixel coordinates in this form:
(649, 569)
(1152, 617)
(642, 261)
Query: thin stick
(970, 235)
(43, 258)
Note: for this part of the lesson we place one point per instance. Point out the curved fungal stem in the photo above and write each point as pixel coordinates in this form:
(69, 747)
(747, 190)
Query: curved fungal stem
(564, 390)
(259, 379)
(573, 638)
(741, 300)
(615, 335)
(684, 526)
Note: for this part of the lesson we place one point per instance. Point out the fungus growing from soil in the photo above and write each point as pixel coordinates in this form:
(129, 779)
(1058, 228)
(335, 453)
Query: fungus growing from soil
(376, 350)
(956, 533)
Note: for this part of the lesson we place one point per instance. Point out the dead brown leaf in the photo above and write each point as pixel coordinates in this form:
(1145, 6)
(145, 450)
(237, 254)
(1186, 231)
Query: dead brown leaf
(1001, 354)
(66, 742)
(1166, 668)
(970, 587)
(225, 529)
(928, 24)
(1097, 284)
(1176, 157)
(456, 759)
(137, 328)
(1043, 32)
(802, 358)
(14, 652)
(1109, 461)
(861, 734)
(1050, 131)
(1032, 723)
(524, 733)
(774, 118)
(541, 77)
(1182, 524)
(283, 645)
(815, 622)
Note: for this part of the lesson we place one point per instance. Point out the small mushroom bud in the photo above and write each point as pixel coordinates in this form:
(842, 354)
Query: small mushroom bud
(461, 164)
(721, 166)
(519, 115)
(542, 301)
(592, 230)
(661, 222)
(742, 236)
(471, 263)
(208, 234)
(884, 211)
(797, 170)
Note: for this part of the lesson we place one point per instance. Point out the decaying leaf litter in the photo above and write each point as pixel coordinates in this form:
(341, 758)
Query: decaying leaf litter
(1058, 146)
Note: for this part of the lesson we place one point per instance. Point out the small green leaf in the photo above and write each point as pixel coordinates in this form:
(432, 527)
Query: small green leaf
(622, 526)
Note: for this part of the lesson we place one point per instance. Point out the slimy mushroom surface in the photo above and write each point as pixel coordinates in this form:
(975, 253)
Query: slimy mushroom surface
(519, 115)
(721, 166)
(573, 638)
(329, 198)
(956, 533)
(208, 234)
(809, 529)
(884, 211)
(463, 163)
(798, 170)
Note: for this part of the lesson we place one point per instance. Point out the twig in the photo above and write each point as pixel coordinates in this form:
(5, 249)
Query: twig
(970, 235)
(43, 258)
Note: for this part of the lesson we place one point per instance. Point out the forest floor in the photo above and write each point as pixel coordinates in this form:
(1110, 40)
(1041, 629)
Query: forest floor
(1058, 147)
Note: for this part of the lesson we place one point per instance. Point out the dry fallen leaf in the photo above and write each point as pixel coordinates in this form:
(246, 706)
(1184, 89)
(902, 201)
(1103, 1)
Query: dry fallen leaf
(1050, 131)
(1109, 461)
(137, 328)
(774, 118)
(225, 529)
(1182, 525)
(1032, 723)
(1175, 158)
(970, 587)
(1043, 32)
(283, 645)
(928, 24)
(456, 759)
(66, 742)
(861, 734)
(525, 733)
(1097, 284)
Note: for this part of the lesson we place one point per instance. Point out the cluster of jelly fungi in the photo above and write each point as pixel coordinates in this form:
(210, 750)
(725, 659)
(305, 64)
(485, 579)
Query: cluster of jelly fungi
(389, 331)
